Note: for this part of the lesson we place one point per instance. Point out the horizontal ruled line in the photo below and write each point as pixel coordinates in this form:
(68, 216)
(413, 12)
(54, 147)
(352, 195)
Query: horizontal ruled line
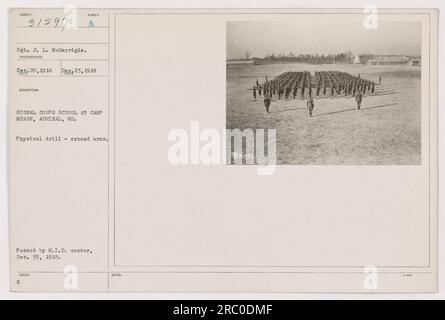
(94, 43)
(65, 29)
(63, 59)
(63, 76)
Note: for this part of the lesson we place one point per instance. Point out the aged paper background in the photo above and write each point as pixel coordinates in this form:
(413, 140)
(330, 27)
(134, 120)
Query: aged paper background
(154, 227)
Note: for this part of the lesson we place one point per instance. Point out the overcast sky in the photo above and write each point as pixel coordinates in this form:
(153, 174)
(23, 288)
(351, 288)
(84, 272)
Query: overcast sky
(323, 36)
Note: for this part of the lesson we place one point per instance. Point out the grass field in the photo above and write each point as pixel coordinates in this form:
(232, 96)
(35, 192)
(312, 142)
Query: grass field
(387, 131)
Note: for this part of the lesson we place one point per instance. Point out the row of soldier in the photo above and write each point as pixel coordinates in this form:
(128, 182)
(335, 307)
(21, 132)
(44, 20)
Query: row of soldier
(300, 83)
(311, 103)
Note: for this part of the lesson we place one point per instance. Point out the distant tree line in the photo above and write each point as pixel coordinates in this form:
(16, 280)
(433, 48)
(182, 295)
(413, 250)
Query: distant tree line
(339, 58)
(365, 57)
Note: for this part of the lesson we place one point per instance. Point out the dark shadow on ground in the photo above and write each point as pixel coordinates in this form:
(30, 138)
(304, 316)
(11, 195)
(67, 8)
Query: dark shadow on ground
(286, 110)
(380, 106)
(353, 109)
(383, 93)
(334, 112)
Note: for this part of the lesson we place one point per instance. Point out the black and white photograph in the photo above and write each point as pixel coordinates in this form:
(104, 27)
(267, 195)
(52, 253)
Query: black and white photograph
(337, 91)
(284, 151)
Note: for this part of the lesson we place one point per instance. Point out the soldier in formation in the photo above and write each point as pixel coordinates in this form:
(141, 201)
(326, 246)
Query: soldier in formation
(292, 84)
(310, 105)
(267, 103)
(359, 99)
